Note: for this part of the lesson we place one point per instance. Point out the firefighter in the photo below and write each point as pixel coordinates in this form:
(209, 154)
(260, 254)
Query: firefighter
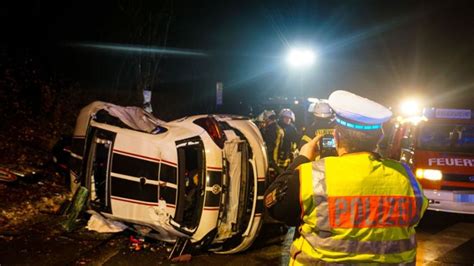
(321, 125)
(286, 139)
(263, 118)
(354, 208)
(269, 130)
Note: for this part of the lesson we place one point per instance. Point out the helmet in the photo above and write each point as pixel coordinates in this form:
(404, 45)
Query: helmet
(288, 113)
(322, 109)
(311, 107)
(265, 115)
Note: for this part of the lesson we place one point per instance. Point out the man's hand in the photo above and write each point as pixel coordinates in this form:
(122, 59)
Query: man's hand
(311, 149)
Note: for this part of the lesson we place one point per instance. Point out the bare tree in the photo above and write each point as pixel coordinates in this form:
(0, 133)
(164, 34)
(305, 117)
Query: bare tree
(149, 27)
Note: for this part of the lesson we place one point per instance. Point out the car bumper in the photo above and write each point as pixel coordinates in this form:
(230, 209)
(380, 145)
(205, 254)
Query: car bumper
(451, 201)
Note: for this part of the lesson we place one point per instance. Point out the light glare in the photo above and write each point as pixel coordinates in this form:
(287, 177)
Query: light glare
(301, 58)
(410, 107)
(430, 174)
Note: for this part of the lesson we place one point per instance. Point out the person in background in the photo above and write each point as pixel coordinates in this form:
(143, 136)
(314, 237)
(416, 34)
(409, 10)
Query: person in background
(270, 129)
(321, 125)
(286, 139)
(356, 208)
(264, 119)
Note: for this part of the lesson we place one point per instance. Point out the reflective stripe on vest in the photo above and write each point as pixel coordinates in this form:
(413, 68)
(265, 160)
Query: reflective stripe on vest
(306, 190)
(279, 137)
(358, 211)
(315, 173)
(306, 138)
(303, 258)
(320, 197)
(418, 194)
(360, 247)
(361, 211)
(371, 211)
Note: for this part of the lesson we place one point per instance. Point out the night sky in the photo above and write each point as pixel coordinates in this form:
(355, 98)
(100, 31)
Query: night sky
(384, 50)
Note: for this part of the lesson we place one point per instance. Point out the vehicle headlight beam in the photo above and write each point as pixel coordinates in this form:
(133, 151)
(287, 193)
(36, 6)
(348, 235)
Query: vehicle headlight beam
(430, 174)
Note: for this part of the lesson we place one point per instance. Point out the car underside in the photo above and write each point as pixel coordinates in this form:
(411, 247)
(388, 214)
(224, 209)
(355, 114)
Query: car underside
(198, 180)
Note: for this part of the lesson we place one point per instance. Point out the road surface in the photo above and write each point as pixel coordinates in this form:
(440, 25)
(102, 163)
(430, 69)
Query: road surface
(443, 239)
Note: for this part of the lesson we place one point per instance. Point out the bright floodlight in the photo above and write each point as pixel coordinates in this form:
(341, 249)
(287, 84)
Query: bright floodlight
(300, 58)
(410, 107)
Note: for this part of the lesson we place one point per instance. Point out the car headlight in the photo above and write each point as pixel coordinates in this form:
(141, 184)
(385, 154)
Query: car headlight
(429, 174)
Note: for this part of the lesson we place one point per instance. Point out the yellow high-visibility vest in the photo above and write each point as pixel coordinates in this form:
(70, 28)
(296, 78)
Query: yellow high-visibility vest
(356, 209)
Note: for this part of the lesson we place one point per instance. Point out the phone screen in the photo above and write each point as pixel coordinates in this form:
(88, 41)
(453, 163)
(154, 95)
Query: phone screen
(328, 142)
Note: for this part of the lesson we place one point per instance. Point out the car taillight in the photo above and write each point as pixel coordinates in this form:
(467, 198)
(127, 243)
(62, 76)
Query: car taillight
(212, 128)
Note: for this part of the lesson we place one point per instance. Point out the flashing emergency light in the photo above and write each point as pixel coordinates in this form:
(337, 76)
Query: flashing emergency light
(410, 107)
(444, 113)
(301, 57)
(430, 174)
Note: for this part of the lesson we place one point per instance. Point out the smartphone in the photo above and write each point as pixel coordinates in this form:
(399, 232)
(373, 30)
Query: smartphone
(327, 142)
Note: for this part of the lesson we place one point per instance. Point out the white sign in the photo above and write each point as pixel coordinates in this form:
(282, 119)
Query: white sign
(453, 113)
(219, 93)
(146, 96)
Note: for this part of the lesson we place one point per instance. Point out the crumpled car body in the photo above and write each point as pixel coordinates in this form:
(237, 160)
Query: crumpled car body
(200, 177)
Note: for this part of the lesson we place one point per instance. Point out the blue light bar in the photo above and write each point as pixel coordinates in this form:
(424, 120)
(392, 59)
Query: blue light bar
(444, 113)
(358, 126)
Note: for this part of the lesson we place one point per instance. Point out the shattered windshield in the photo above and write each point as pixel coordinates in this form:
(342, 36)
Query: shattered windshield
(447, 137)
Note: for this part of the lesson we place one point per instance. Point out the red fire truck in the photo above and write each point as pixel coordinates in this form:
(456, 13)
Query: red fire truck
(439, 146)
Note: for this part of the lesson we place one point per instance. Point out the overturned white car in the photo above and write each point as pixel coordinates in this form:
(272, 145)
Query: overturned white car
(199, 178)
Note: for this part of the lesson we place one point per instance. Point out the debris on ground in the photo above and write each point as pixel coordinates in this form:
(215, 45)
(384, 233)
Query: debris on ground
(23, 203)
(101, 224)
(136, 244)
